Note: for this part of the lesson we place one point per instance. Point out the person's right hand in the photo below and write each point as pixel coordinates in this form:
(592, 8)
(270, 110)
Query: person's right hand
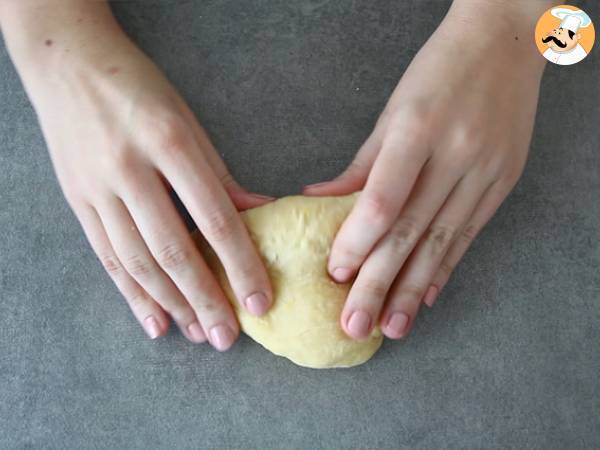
(119, 137)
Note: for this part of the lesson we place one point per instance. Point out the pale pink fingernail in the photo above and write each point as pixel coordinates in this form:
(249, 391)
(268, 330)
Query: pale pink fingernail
(221, 337)
(396, 324)
(151, 327)
(315, 185)
(257, 304)
(196, 333)
(341, 274)
(359, 324)
(431, 295)
(262, 197)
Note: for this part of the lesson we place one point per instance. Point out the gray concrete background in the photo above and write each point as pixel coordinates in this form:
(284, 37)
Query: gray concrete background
(509, 357)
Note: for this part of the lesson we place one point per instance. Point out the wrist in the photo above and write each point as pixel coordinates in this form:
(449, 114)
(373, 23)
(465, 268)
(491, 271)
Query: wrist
(531, 9)
(520, 15)
(505, 26)
(44, 35)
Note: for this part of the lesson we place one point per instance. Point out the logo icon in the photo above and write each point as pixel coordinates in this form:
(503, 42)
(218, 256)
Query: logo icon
(564, 35)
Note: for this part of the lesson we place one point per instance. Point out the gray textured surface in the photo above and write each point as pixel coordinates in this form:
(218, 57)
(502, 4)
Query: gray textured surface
(509, 357)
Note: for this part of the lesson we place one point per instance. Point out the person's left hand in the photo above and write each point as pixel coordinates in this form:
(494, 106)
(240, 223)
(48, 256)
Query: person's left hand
(448, 148)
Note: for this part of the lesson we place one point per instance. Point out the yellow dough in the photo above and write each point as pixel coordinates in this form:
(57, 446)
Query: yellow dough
(294, 235)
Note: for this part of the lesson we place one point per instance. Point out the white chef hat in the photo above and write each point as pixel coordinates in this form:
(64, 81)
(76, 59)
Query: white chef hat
(570, 19)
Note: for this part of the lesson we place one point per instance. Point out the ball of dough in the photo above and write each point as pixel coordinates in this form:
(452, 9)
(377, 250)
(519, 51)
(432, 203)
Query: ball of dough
(294, 235)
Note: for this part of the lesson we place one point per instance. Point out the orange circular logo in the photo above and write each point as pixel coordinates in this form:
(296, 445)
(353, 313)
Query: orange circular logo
(565, 35)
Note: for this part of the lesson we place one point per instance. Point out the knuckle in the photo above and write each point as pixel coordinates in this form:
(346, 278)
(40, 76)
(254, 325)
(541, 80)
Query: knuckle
(138, 300)
(97, 196)
(72, 197)
(466, 157)
(446, 269)
(490, 165)
(111, 264)
(169, 133)
(460, 159)
(377, 208)
(467, 137)
(469, 233)
(138, 266)
(349, 255)
(402, 130)
(173, 256)
(411, 121)
(355, 167)
(181, 313)
(228, 181)
(374, 288)
(123, 161)
(404, 234)
(412, 292)
(439, 238)
(206, 308)
(420, 109)
(219, 225)
(248, 273)
(509, 179)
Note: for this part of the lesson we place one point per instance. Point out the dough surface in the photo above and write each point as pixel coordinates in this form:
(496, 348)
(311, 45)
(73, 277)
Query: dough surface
(294, 235)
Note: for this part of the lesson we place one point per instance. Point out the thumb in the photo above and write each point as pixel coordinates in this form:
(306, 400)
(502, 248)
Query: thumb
(355, 176)
(350, 180)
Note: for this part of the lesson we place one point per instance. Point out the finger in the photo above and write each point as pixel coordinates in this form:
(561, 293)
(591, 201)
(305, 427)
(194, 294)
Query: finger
(148, 313)
(369, 290)
(388, 186)
(414, 281)
(241, 198)
(353, 178)
(172, 248)
(218, 220)
(483, 213)
(137, 260)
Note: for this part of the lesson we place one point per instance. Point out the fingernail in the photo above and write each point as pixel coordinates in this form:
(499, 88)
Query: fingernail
(430, 295)
(359, 324)
(257, 304)
(397, 324)
(341, 274)
(221, 337)
(196, 333)
(315, 185)
(151, 327)
(263, 197)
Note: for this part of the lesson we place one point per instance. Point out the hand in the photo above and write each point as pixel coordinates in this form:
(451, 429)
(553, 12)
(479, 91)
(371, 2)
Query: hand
(119, 137)
(448, 148)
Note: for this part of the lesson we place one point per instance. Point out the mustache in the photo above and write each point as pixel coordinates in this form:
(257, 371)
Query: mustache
(556, 41)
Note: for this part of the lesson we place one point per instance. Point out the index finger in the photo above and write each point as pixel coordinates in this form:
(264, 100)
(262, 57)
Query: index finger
(389, 184)
(217, 218)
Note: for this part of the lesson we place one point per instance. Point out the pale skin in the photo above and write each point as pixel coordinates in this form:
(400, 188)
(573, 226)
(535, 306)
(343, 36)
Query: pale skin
(119, 134)
(448, 148)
